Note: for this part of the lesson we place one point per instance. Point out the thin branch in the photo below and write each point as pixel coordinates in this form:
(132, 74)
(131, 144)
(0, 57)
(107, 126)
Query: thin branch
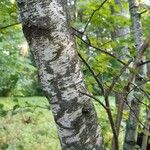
(117, 77)
(145, 62)
(111, 120)
(102, 51)
(25, 107)
(135, 86)
(109, 113)
(143, 48)
(138, 60)
(146, 93)
(96, 99)
(93, 13)
(93, 74)
(7, 26)
(142, 102)
(102, 45)
(142, 12)
(136, 117)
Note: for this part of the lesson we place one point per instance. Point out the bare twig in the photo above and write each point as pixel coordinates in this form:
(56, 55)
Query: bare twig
(111, 120)
(142, 102)
(102, 51)
(136, 117)
(145, 62)
(138, 60)
(117, 78)
(143, 47)
(96, 99)
(107, 105)
(93, 13)
(93, 74)
(142, 12)
(7, 26)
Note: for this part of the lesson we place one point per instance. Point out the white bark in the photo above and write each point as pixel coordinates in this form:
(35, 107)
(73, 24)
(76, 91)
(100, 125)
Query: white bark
(46, 30)
(120, 96)
(132, 123)
(145, 140)
(146, 132)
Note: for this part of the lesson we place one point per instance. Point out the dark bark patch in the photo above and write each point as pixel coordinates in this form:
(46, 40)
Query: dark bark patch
(58, 52)
(132, 143)
(49, 69)
(56, 89)
(86, 110)
(32, 31)
(62, 126)
(20, 3)
(67, 107)
(72, 67)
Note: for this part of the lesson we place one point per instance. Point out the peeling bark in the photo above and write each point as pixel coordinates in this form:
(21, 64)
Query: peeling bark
(46, 30)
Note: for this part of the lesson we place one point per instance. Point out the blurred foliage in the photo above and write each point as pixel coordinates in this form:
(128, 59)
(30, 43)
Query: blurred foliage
(18, 76)
(100, 32)
(27, 123)
(29, 126)
(33, 127)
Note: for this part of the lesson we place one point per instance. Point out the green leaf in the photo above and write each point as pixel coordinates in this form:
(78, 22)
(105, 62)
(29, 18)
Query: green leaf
(1, 106)
(16, 106)
(16, 100)
(3, 113)
(147, 87)
(4, 146)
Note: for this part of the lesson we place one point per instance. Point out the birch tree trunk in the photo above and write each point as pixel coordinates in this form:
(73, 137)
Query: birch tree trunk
(145, 140)
(146, 132)
(132, 123)
(45, 27)
(119, 96)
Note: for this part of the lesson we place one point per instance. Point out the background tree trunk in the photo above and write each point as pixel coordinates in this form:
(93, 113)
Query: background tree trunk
(132, 123)
(146, 132)
(46, 30)
(120, 96)
(146, 137)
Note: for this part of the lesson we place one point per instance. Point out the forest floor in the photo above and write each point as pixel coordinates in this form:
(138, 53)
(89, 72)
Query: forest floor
(27, 124)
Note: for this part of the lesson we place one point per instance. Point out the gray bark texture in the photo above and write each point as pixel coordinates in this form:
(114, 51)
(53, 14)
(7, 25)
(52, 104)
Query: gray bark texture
(146, 132)
(46, 29)
(132, 123)
(145, 139)
(119, 96)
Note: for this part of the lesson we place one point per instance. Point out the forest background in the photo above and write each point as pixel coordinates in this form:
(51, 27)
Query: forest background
(107, 46)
